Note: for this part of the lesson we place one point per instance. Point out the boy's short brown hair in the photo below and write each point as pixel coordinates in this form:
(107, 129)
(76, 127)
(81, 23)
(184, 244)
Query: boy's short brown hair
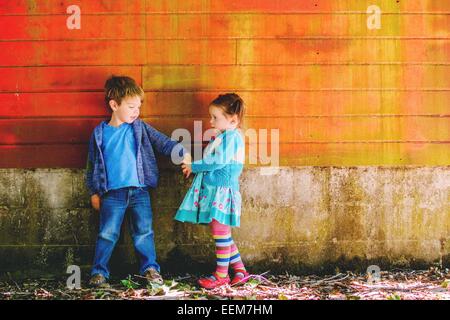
(120, 87)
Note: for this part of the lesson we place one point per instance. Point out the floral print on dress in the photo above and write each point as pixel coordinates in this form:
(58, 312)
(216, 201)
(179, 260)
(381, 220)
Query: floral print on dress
(223, 199)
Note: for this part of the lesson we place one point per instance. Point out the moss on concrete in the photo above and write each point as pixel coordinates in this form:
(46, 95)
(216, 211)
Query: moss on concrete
(303, 220)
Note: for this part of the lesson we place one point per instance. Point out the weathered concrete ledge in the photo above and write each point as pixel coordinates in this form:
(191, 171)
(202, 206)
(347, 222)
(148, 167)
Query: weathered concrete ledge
(303, 219)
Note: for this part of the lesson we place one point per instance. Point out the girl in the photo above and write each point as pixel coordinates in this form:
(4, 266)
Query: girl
(214, 196)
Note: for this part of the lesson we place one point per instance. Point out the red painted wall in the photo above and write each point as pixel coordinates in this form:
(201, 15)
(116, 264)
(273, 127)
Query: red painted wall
(340, 93)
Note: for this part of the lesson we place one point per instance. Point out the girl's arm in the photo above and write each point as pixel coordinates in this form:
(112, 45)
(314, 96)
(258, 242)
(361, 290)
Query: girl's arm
(222, 155)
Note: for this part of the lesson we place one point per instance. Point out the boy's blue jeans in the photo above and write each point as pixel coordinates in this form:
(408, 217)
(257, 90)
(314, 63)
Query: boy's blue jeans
(114, 205)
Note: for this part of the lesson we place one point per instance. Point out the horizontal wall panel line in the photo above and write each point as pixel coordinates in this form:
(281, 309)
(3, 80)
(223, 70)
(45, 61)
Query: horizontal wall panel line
(298, 38)
(331, 13)
(206, 91)
(202, 116)
(280, 143)
(44, 144)
(234, 13)
(354, 116)
(234, 64)
(317, 90)
(65, 117)
(249, 90)
(341, 64)
(307, 90)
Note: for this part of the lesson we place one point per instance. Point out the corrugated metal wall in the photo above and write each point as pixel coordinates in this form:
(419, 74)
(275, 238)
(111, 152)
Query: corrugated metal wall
(340, 93)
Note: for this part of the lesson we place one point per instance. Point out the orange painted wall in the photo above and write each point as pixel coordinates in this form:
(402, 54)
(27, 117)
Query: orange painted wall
(340, 93)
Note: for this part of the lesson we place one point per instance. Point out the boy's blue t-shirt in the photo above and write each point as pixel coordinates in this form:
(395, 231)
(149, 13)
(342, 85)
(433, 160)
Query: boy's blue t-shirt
(119, 150)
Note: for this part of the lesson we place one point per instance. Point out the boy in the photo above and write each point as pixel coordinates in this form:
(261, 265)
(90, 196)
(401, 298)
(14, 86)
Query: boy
(121, 167)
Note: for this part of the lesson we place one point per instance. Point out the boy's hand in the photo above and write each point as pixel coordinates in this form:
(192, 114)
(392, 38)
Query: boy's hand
(95, 202)
(187, 170)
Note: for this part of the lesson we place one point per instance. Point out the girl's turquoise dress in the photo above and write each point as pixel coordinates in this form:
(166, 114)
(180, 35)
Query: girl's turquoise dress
(214, 193)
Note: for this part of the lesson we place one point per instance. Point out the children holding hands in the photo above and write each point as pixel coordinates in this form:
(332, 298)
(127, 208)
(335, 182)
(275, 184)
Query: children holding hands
(121, 167)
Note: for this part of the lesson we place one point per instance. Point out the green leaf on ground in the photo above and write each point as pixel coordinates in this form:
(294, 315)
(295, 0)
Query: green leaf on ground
(253, 283)
(99, 294)
(129, 284)
(394, 296)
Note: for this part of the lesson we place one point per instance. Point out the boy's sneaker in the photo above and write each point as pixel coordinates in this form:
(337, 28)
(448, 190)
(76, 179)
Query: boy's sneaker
(98, 281)
(240, 277)
(153, 276)
(213, 281)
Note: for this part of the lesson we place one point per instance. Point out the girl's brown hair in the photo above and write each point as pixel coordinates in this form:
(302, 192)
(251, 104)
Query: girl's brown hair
(231, 104)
